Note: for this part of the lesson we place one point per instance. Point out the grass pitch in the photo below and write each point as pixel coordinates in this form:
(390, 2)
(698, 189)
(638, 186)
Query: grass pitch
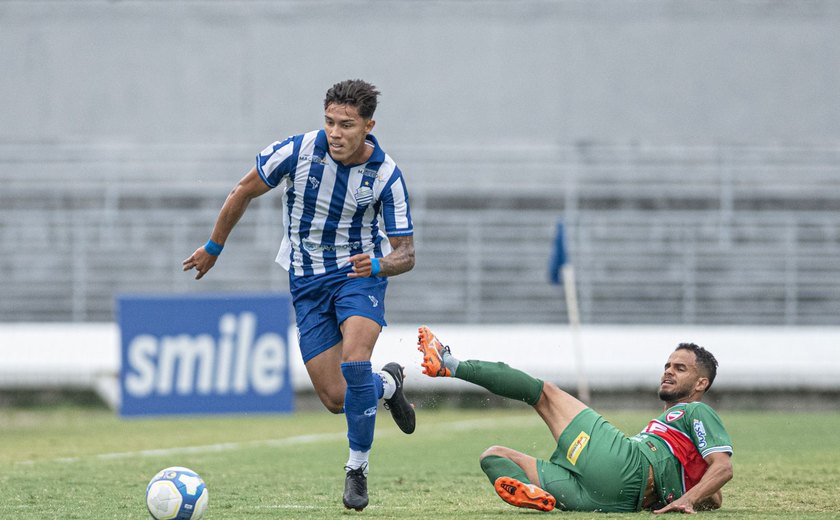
(76, 463)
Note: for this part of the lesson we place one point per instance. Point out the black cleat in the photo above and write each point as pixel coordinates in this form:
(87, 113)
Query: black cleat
(355, 489)
(401, 410)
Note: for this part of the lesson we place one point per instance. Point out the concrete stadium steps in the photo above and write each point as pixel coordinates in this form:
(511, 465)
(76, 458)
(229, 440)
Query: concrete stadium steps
(657, 234)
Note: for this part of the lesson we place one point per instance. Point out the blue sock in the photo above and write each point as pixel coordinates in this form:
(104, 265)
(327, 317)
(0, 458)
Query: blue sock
(359, 404)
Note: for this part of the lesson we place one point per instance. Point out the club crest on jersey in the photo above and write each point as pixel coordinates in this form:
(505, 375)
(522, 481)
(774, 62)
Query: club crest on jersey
(673, 416)
(364, 195)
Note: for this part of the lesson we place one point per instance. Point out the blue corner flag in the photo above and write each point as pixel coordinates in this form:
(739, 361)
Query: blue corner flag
(558, 256)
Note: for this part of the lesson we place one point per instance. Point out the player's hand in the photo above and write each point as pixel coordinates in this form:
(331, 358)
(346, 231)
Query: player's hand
(201, 261)
(362, 266)
(677, 506)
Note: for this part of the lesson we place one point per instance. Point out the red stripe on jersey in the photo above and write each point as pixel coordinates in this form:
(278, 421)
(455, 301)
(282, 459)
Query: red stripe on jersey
(683, 448)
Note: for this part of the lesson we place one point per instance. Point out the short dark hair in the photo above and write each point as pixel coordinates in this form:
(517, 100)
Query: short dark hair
(356, 93)
(707, 362)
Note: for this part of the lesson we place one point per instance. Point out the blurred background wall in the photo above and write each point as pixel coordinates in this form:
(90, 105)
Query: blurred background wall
(459, 72)
(692, 150)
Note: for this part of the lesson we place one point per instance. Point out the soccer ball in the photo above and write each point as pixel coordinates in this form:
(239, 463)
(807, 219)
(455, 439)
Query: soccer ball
(177, 493)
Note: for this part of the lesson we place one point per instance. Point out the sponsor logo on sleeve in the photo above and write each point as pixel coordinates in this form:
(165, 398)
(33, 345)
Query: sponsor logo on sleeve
(700, 432)
(577, 447)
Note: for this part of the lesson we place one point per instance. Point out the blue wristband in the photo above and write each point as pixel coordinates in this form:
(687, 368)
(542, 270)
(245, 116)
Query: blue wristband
(375, 268)
(213, 248)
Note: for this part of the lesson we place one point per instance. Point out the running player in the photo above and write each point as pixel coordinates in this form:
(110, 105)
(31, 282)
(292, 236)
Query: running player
(348, 228)
(679, 462)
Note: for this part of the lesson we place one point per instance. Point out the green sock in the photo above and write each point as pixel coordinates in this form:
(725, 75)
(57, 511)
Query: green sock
(495, 467)
(501, 379)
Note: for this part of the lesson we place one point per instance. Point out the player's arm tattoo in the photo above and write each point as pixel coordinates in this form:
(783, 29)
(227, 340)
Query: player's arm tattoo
(400, 259)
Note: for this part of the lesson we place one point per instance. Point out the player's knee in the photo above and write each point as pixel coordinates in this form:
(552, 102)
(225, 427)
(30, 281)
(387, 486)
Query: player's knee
(550, 388)
(334, 404)
(495, 451)
(552, 393)
(335, 408)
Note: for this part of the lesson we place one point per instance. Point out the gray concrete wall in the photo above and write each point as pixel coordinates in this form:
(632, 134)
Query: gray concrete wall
(468, 72)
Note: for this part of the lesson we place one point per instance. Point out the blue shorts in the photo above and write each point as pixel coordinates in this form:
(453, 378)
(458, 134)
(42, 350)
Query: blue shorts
(322, 302)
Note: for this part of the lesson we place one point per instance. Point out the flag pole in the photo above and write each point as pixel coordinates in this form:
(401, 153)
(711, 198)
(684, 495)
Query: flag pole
(560, 266)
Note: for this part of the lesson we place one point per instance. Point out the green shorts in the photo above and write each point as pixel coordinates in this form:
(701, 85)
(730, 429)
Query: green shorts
(595, 468)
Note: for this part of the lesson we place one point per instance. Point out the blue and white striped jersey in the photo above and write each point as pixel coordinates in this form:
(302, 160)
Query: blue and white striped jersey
(334, 211)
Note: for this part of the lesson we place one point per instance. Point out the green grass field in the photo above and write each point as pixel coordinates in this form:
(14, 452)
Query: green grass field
(77, 463)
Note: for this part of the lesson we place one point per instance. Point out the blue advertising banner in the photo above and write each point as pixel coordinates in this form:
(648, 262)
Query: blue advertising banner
(204, 354)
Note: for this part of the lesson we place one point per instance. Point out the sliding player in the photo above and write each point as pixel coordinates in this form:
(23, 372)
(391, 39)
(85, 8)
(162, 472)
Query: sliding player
(679, 462)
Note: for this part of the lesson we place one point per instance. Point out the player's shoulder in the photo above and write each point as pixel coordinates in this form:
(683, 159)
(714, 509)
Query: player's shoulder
(282, 144)
(308, 140)
(689, 408)
(698, 408)
(380, 157)
(390, 165)
(312, 135)
(699, 405)
(304, 138)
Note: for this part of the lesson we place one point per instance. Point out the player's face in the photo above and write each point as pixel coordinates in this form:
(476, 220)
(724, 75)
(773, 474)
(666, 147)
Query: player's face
(681, 379)
(346, 131)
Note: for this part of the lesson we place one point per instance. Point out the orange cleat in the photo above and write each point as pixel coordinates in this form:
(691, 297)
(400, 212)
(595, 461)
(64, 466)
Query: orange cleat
(432, 350)
(519, 494)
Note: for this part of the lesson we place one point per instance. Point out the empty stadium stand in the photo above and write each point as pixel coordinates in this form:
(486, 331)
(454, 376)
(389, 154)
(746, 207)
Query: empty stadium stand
(726, 234)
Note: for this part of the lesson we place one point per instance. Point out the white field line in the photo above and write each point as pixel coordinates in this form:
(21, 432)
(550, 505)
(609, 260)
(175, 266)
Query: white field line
(466, 425)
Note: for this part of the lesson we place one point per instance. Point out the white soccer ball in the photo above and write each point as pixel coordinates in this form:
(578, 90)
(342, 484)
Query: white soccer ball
(177, 493)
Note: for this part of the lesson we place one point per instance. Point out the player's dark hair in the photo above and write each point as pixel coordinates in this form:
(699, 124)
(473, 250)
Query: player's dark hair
(356, 93)
(705, 360)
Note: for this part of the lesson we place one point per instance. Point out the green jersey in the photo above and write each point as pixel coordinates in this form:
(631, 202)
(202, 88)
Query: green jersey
(675, 444)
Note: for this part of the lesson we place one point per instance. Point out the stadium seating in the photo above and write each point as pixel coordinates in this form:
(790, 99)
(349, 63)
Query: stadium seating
(658, 235)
